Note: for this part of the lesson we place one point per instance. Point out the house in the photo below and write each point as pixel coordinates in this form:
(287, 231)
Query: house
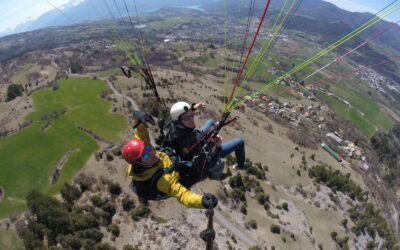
(334, 137)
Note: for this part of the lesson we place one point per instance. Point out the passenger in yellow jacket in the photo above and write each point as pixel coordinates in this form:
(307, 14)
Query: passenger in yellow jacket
(150, 170)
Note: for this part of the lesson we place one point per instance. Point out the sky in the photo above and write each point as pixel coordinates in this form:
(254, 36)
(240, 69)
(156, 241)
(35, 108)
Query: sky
(372, 6)
(14, 12)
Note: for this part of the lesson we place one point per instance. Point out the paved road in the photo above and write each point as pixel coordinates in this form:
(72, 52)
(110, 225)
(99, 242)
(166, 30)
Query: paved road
(234, 229)
(395, 218)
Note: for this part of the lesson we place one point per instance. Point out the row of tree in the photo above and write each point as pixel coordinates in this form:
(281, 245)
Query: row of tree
(387, 147)
(366, 219)
(68, 224)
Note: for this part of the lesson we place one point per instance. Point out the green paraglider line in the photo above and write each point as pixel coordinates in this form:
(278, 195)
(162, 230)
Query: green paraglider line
(393, 8)
(264, 48)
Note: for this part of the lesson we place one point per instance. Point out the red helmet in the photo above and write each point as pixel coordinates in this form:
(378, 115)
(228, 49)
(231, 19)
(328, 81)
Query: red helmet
(133, 150)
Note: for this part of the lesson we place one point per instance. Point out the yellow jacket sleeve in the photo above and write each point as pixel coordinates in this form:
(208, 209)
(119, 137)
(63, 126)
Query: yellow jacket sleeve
(142, 134)
(169, 184)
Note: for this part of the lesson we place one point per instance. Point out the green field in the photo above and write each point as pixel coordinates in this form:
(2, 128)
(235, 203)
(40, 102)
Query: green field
(19, 77)
(10, 240)
(347, 113)
(169, 24)
(369, 107)
(28, 157)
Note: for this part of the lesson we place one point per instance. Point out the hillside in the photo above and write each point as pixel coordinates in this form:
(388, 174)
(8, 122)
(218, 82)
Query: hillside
(75, 107)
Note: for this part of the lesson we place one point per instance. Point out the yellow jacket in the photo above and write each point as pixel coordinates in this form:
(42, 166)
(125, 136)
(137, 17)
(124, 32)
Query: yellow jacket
(168, 183)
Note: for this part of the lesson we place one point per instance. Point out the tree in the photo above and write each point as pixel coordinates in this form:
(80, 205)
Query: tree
(275, 229)
(104, 246)
(69, 241)
(30, 241)
(114, 188)
(49, 212)
(82, 221)
(76, 68)
(97, 201)
(94, 234)
(70, 193)
(13, 91)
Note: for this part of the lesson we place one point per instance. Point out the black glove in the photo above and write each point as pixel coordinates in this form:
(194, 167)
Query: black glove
(144, 118)
(209, 201)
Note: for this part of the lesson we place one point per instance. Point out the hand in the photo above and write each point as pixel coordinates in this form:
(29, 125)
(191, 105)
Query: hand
(201, 106)
(217, 141)
(144, 118)
(209, 201)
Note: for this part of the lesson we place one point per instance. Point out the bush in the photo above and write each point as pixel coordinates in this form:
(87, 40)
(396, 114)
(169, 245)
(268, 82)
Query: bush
(114, 229)
(127, 203)
(13, 91)
(114, 188)
(139, 212)
(343, 243)
(104, 246)
(333, 235)
(238, 194)
(97, 201)
(371, 244)
(129, 247)
(275, 229)
(251, 224)
(230, 160)
(285, 206)
(261, 198)
(236, 181)
(109, 208)
(84, 185)
(243, 209)
(256, 172)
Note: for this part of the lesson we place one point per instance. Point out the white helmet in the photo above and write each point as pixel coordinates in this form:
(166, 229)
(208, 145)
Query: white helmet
(178, 109)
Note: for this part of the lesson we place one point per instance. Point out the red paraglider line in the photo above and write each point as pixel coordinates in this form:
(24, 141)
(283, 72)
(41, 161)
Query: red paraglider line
(364, 68)
(249, 52)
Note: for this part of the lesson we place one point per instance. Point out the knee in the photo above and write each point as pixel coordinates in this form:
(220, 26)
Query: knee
(240, 142)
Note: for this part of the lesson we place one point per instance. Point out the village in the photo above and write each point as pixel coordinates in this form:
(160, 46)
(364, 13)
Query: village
(315, 115)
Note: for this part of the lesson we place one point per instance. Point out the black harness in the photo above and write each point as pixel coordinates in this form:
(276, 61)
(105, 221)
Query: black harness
(147, 190)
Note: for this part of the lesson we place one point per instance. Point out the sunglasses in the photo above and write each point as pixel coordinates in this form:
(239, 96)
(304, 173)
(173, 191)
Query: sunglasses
(146, 153)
